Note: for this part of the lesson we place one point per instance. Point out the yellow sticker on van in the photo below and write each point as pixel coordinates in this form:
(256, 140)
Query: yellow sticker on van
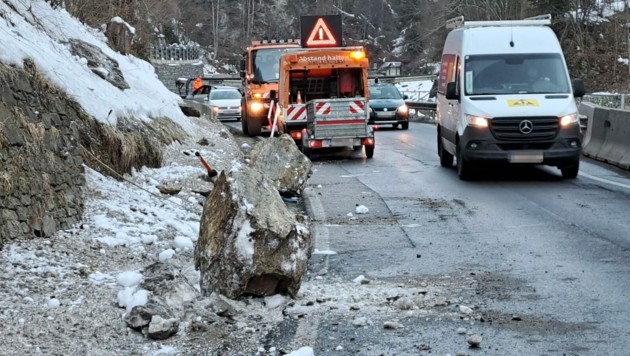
(519, 103)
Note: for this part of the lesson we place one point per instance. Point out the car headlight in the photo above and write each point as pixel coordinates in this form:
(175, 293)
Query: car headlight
(477, 121)
(215, 109)
(256, 106)
(568, 120)
(403, 109)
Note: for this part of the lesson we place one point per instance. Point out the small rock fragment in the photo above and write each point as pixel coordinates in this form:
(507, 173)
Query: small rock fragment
(474, 340)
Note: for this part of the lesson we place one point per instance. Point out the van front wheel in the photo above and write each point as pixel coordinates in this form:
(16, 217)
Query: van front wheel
(446, 159)
(570, 172)
(464, 169)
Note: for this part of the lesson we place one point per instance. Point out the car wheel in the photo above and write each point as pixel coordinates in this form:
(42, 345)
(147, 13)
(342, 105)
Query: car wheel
(570, 172)
(464, 169)
(405, 125)
(369, 151)
(446, 159)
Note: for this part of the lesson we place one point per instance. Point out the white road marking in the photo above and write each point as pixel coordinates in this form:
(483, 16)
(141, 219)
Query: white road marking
(306, 331)
(607, 181)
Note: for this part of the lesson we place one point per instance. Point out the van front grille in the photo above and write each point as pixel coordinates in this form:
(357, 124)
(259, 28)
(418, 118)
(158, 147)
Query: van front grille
(512, 128)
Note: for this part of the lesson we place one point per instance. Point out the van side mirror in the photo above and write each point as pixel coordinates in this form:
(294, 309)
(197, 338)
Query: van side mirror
(405, 97)
(451, 91)
(578, 88)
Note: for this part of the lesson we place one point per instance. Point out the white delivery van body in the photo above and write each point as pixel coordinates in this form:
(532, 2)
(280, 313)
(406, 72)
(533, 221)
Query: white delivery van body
(504, 95)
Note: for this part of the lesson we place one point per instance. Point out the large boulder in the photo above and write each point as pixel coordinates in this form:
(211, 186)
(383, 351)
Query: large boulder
(249, 242)
(283, 163)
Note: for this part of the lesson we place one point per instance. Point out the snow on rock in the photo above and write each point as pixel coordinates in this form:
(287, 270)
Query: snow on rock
(53, 303)
(303, 351)
(166, 255)
(361, 209)
(132, 296)
(129, 278)
(274, 301)
(183, 243)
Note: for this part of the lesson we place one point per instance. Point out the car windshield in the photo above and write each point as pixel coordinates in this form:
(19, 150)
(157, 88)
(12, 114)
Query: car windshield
(224, 94)
(384, 92)
(515, 74)
(266, 65)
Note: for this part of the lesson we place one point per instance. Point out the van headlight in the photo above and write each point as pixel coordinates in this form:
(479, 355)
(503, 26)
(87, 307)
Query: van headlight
(568, 120)
(477, 121)
(403, 109)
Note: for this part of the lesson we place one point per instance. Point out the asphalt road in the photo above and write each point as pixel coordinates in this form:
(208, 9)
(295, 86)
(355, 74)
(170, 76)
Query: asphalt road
(543, 263)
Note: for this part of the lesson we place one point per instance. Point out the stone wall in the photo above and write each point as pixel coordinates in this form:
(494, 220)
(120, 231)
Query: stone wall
(42, 178)
(168, 72)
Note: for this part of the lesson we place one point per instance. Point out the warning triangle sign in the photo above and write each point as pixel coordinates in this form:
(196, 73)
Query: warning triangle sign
(321, 35)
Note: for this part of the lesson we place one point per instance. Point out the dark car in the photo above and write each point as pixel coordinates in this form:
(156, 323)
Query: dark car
(387, 106)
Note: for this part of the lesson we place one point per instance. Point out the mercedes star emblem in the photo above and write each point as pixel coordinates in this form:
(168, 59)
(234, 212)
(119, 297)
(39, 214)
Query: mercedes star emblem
(526, 127)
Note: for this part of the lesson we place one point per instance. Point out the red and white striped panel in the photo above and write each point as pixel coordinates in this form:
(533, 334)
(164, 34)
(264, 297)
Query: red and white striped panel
(357, 107)
(296, 113)
(322, 109)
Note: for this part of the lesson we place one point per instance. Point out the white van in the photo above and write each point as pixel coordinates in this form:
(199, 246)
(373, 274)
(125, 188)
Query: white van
(504, 95)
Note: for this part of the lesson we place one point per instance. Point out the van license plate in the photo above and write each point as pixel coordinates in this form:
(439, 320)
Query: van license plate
(526, 157)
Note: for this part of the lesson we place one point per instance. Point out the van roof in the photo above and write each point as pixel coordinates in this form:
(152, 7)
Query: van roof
(516, 39)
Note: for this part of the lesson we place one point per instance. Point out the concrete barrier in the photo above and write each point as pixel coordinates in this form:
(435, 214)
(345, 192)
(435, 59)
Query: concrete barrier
(596, 132)
(616, 147)
(607, 136)
(586, 109)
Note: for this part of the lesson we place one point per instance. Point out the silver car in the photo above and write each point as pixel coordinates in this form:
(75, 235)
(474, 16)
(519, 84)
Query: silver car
(225, 103)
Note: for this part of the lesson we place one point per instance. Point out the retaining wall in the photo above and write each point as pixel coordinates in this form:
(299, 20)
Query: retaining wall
(168, 72)
(42, 178)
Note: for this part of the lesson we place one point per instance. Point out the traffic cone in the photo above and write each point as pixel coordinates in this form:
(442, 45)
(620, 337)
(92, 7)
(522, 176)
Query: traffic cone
(299, 98)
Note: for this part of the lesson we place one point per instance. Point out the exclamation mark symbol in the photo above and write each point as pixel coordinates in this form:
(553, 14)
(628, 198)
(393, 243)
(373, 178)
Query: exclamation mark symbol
(321, 34)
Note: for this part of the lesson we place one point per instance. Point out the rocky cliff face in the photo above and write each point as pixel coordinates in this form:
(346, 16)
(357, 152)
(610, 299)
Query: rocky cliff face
(42, 177)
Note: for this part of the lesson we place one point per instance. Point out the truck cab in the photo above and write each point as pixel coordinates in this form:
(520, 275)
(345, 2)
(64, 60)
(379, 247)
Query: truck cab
(259, 73)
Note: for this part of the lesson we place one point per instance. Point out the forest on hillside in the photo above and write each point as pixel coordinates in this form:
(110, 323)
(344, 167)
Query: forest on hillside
(595, 34)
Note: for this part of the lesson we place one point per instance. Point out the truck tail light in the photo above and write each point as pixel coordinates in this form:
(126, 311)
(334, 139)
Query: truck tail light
(297, 135)
(368, 141)
(315, 144)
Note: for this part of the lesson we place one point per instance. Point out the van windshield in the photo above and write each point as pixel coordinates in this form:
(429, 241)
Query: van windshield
(515, 74)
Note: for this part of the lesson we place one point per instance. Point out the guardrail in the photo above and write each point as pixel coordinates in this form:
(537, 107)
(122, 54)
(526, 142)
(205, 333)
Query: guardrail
(615, 101)
(424, 109)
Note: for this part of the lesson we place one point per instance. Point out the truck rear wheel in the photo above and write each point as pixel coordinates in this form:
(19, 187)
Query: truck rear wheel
(369, 151)
(244, 124)
(253, 126)
(306, 151)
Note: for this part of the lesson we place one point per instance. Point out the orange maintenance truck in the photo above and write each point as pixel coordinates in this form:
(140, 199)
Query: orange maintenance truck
(323, 98)
(259, 72)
